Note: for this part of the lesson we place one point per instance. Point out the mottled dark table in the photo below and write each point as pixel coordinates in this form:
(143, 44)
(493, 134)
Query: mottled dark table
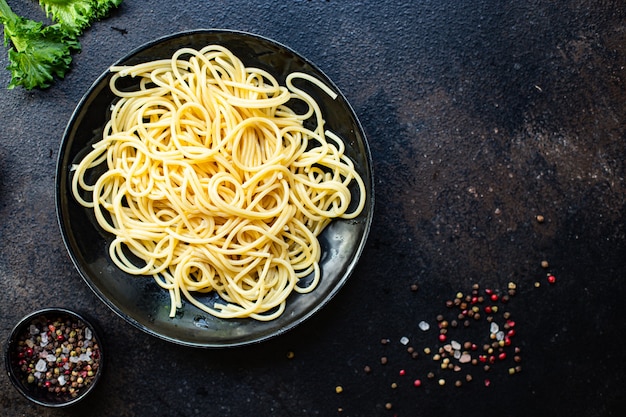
(481, 116)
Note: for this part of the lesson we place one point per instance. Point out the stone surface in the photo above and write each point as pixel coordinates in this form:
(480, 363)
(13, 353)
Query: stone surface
(480, 116)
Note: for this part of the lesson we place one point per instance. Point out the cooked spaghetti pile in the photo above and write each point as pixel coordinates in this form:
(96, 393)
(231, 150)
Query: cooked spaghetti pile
(210, 182)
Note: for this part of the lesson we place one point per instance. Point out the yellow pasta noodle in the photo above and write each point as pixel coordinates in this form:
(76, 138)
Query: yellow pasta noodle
(214, 184)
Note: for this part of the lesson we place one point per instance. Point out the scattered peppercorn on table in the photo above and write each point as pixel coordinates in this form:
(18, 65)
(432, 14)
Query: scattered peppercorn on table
(492, 281)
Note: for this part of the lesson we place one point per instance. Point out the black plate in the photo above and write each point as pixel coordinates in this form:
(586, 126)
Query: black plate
(140, 300)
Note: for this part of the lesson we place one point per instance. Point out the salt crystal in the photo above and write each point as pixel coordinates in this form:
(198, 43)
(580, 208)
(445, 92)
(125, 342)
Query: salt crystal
(37, 375)
(404, 340)
(51, 358)
(88, 333)
(465, 358)
(455, 345)
(44, 339)
(83, 357)
(423, 326)
(73, 359)
(41, 366)
(61, 380)
(500, 336)
(494, 327)
(457, 354)
(33, 329)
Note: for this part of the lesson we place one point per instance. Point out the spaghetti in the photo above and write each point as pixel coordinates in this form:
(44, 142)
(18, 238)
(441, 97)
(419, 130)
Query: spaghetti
(209, 181)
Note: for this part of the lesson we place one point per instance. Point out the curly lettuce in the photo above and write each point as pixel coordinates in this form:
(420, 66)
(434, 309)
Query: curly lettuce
(77, 15)
(39, 53)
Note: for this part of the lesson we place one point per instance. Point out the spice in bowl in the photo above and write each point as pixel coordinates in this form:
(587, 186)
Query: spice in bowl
(54, 357)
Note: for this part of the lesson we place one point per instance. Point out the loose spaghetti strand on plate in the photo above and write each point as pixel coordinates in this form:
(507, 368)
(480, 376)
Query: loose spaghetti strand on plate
(210, 182)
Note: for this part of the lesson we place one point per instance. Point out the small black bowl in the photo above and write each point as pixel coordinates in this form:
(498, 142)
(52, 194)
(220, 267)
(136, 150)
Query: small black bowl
(54, 357)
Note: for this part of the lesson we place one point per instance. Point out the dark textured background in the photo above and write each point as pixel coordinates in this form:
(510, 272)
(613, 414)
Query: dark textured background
(480, 116)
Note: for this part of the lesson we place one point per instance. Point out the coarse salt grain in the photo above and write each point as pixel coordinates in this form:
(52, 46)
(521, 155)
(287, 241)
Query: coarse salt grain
(404, 340)
(423, 326)
(494, 327)
(41, 366)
